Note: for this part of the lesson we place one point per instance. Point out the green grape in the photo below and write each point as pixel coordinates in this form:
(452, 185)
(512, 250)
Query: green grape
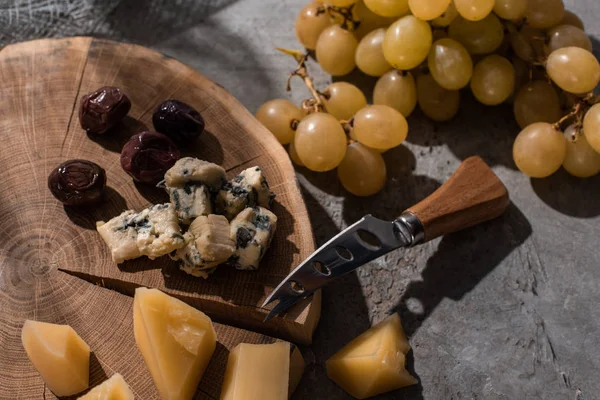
(343, 100)
(567, 36)
(446, 18)
(335, 50)
(510, 9)
(450, 64)
(573, 69)
(539, 150)
(536, 38)
(279, 116)
(320, 142)
(591, 127)
(309, 25)
(581, 160)
(407, 42)
(380, 127)
(369, 21)
(521, 77)
(479, 37)
(537, 102)
(294, 155)
(504, 49)
(396, 89)
(427, 10)
(544, 14)
(572, 19)
(362, 172)
(474, 10)
(369, 54)
(341, 3)
(520, 45)
(388, 8)
(436, 102)
(493, 80)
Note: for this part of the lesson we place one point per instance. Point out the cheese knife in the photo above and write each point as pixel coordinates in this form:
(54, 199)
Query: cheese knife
(473, 194)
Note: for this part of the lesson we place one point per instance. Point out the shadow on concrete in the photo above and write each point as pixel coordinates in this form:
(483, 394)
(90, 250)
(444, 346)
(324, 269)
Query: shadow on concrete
(460, 262)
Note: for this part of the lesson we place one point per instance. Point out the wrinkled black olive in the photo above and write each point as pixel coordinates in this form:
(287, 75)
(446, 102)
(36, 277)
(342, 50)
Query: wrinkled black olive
(77, 182)
(103, 109)
(148, 155)
(180, 121)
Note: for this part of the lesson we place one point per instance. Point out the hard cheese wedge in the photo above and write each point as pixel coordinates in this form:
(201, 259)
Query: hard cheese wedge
(297, 366)
(373, 363)
(113, 389)
(257, 372)
(58, 353)
(176, 342)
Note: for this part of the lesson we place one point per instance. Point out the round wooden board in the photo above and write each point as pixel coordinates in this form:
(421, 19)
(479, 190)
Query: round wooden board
(102, 317)
(47, 247)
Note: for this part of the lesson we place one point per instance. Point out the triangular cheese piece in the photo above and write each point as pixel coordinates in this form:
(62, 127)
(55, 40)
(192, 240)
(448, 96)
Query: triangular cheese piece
(373, 363)
(59, 354)
(176, 342)
(113, 389)
(257, 372)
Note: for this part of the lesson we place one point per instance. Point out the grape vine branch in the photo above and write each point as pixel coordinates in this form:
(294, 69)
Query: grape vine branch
(315, 104)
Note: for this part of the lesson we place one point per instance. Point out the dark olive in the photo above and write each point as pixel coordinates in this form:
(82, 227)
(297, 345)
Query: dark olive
(148, 155)
(77, 182)
(103, 109)
(179, 121)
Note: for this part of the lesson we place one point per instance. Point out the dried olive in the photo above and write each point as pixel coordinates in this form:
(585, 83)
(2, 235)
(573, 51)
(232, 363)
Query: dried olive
(148, 155)
(180, 121)
(77, 182)
(103, 109)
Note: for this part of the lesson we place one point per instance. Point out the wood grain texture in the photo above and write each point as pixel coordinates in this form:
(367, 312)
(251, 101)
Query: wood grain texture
(472, 195)
(102, 317)
(41, 84)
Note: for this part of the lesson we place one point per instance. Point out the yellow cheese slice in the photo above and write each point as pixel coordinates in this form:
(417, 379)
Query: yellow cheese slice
(113, 389)
(257, 372)
(176, 342)
(373, 363)
(58, 353)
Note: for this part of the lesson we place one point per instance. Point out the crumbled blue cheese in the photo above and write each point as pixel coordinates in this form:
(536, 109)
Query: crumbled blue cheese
(252, 230)
(208, 244)
(152, 232)
(248, 189)
(190, 183)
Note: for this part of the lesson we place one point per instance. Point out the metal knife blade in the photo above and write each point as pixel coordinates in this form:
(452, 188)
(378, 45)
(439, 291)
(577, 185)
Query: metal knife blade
(364, 241)
(472, 195)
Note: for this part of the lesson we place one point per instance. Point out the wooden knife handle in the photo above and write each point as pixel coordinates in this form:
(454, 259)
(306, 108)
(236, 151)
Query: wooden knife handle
(472, 195)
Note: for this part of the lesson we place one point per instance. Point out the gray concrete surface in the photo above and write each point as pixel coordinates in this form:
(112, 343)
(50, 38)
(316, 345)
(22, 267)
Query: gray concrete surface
(506, 310)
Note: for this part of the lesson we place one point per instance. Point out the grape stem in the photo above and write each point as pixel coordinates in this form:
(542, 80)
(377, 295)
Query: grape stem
(349, 22)
(315, 104)
(578, 111)
(574, 112)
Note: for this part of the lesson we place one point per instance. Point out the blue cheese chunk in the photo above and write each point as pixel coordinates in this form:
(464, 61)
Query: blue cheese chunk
(189, 169)
(252, 230)
(152, 232)
(190, 183)
(190, 201)
(159, 231)
(248, 189)
(208, 244)
(120, 235)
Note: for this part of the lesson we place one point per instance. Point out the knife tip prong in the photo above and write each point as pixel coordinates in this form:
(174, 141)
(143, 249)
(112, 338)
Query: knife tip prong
(270, 315)
(269, 299)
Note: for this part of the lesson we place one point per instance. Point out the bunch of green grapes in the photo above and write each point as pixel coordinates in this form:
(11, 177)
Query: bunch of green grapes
(532, 54)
